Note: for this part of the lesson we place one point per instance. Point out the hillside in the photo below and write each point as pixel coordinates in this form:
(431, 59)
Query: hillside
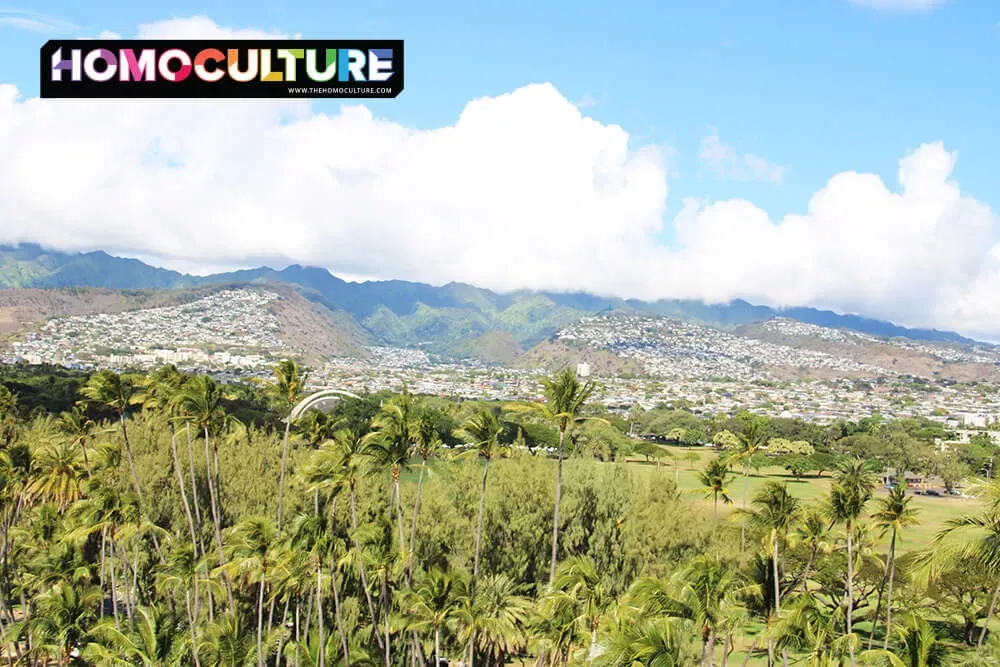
(628, 343)
(83, 325)
(439, 319)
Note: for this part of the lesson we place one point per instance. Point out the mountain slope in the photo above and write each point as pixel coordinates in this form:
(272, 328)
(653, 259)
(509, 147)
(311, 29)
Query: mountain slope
(438, 319)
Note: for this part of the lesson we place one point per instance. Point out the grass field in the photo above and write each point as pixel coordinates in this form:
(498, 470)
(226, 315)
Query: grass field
(934, 511)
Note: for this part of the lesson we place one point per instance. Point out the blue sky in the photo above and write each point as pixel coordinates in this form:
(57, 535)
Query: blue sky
(818, 87)
(757, 100)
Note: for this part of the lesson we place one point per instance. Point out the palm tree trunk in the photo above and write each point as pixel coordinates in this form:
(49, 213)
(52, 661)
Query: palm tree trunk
(191, 626)
(284, 467)
(726, 648)
(809, 564)
(281, 638)
(850, 585)
(298, 640)
(128, 454)
(114, 586)
(989, 615)
(437, 647)
(260, 618)
(888, 603)
(336, 592)
(361, 565)
(319, 610)
(479, 525)
(399, 514)
(413, 524)
(187, 509)
(777, 585)
(746, 488)
(385, 609)
(214, 502)
(194, 485)
(753, 645)
(336, 612)
(104, 544)
(711, 648)
(86, 461)
(555, 515)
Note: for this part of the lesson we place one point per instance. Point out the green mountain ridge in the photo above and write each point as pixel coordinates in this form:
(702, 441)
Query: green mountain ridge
(440, 319)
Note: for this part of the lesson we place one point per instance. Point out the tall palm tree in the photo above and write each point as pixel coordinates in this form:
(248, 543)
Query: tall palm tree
(777, 512)
(714, 481)
(390, 445)
(252, 541)
(201, 401)
(348, 455)
(851, 491)
(484, 431)
(751, 439)
(287, 388)
(160, 391)
(565, 398)
(118, 392)
(428, 444)
(894, 513)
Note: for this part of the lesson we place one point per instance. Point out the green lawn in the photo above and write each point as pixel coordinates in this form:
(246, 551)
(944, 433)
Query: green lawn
(934, 511)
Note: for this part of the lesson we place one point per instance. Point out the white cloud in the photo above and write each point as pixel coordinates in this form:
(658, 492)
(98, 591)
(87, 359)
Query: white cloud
(24, 19)
(523, 190)
(901, 5)
(723, 160)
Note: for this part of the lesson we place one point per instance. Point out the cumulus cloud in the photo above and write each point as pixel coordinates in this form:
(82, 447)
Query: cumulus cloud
(725, 162)
(901, 5)
(522, 190)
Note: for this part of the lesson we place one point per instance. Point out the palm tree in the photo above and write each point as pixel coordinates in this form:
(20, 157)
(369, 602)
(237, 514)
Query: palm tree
(777, 512)
(390, 445)
(79, 428)
(893, 515)
(483, 431)
(494, 621)
(117, 392)
(201, 401)
(249, 554)
(57, 474)
(428, 444)
(714, 479)
(752, 438)
(348, 454)
(975, 537)
(645, 641)
(287, 387)
(565, 398)
(160, 392)
(435, 603)
(579, 579)
(851, 491)
(812, 531)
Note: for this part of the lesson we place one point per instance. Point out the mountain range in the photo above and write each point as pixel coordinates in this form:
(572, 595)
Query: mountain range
(456, 319)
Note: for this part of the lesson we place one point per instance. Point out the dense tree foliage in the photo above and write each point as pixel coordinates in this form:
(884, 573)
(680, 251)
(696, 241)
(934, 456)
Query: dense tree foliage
(169, 519)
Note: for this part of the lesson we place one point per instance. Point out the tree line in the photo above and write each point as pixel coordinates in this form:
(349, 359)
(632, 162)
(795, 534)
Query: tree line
(168, 519)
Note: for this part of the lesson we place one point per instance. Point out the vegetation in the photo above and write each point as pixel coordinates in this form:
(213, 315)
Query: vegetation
(171, 520)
